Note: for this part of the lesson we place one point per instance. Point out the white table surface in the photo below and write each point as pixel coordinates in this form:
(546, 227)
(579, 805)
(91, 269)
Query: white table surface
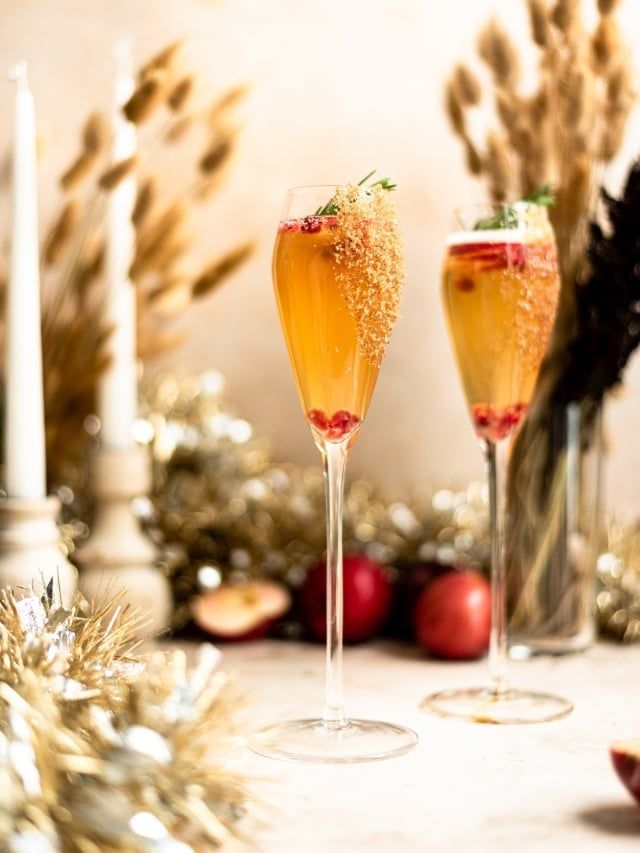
(465, 787)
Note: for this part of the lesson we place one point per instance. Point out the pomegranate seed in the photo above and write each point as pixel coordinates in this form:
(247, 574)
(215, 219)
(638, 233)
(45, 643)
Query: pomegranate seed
(464, 284)
(340, 424)
(318, 419)
(311, 224)
(496, 423)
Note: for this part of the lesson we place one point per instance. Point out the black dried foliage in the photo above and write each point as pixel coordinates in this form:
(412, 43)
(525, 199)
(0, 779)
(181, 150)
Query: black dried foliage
(607, 301)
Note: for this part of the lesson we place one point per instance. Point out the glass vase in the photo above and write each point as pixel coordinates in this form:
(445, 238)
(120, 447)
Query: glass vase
(555, 533)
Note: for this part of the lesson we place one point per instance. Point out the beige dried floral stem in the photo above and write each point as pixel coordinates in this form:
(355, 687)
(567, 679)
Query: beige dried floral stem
(567, 130)
(74, 334)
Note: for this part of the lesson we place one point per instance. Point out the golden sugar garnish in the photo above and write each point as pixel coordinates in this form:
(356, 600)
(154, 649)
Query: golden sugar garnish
(371, 258)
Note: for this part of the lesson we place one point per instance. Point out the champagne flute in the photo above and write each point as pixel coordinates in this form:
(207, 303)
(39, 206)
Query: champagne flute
(500, 288)
(338, 270)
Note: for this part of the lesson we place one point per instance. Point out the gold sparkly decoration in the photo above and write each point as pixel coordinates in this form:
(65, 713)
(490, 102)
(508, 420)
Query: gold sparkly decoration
(371, 259)
(102, 751)
(618, 574)
(223, 507)
(166, 218)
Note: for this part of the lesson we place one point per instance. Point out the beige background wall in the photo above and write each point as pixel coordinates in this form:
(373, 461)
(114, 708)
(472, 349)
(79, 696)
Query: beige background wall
(339, 87)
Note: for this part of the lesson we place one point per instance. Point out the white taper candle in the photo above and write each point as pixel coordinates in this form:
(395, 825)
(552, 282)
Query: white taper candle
(24, 436)
(117, 405)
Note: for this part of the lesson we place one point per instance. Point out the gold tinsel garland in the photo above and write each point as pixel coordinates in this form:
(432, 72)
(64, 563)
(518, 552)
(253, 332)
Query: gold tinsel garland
(618, 595)
(224, 508)
(100, 750)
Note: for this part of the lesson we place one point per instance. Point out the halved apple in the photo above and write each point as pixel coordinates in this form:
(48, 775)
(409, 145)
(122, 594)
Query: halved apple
(239, 612)
(625, 755)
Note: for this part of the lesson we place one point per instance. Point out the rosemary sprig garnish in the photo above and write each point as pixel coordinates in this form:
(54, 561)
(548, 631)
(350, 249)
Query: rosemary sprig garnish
(508, 216)
(331, 208)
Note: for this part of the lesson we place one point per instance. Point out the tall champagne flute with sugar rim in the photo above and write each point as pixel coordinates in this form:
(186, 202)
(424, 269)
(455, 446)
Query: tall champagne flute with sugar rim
(338, 270)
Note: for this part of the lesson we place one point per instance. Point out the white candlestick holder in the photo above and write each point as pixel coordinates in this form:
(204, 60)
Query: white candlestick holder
(30, 551)
(117, 554)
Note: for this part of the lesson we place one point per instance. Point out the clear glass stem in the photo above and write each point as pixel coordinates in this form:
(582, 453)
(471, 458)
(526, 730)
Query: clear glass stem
(497, 455)
(335, 463)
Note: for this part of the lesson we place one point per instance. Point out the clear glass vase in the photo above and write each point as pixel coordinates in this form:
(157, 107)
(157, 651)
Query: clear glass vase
(555, 533)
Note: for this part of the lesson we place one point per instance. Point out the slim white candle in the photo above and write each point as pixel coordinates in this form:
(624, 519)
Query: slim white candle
(118, 388)
(25, 471)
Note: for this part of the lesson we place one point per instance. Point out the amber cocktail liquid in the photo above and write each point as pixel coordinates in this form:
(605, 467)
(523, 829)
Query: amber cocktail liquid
(335, 381)
(336, 285)
(500, 292)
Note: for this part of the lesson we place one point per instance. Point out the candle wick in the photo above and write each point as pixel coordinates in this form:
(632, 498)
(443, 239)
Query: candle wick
(18, 75)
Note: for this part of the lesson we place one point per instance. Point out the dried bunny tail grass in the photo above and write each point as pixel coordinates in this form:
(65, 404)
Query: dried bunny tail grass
(454, 109)
(498, 52)
(576, 97)
(146, 99)
(497, 167)
(473, 158)
(62, 231)
(170, 297)
(573, 200)
(217, 272)
(605, 44)
(144, 201)
(613, 136)
(606, 7)
(160, 239)
(169, 252)
(181, 93)
(466, 86)
(110, 179)
(565, 14)
(164, 60)
(80, 169)
(507, 110)
(179, 128)
(216, 155)
(538, 107)
(95, 134)
(620, 92)
(226, 102)
(539, 21)
(89, 268)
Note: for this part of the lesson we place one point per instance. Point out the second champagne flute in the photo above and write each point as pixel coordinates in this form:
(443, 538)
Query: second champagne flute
(500, 286)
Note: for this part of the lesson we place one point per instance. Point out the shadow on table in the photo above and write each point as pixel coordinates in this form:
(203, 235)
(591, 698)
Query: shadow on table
(612, 819)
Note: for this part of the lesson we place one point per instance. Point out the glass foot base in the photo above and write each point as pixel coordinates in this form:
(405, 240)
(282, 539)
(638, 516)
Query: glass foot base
(314, 741)
(510, 707)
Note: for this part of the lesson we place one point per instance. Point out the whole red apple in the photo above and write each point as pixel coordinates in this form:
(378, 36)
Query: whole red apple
(367, 599)
(625, 756)
(412, 579)
(453, 616)
(243, 611)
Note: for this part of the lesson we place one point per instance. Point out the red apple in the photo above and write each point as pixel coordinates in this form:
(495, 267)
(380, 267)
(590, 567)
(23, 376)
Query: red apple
(452, 617)
(412, 579)
(367, 599)
(244, 611)
(625, 756)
